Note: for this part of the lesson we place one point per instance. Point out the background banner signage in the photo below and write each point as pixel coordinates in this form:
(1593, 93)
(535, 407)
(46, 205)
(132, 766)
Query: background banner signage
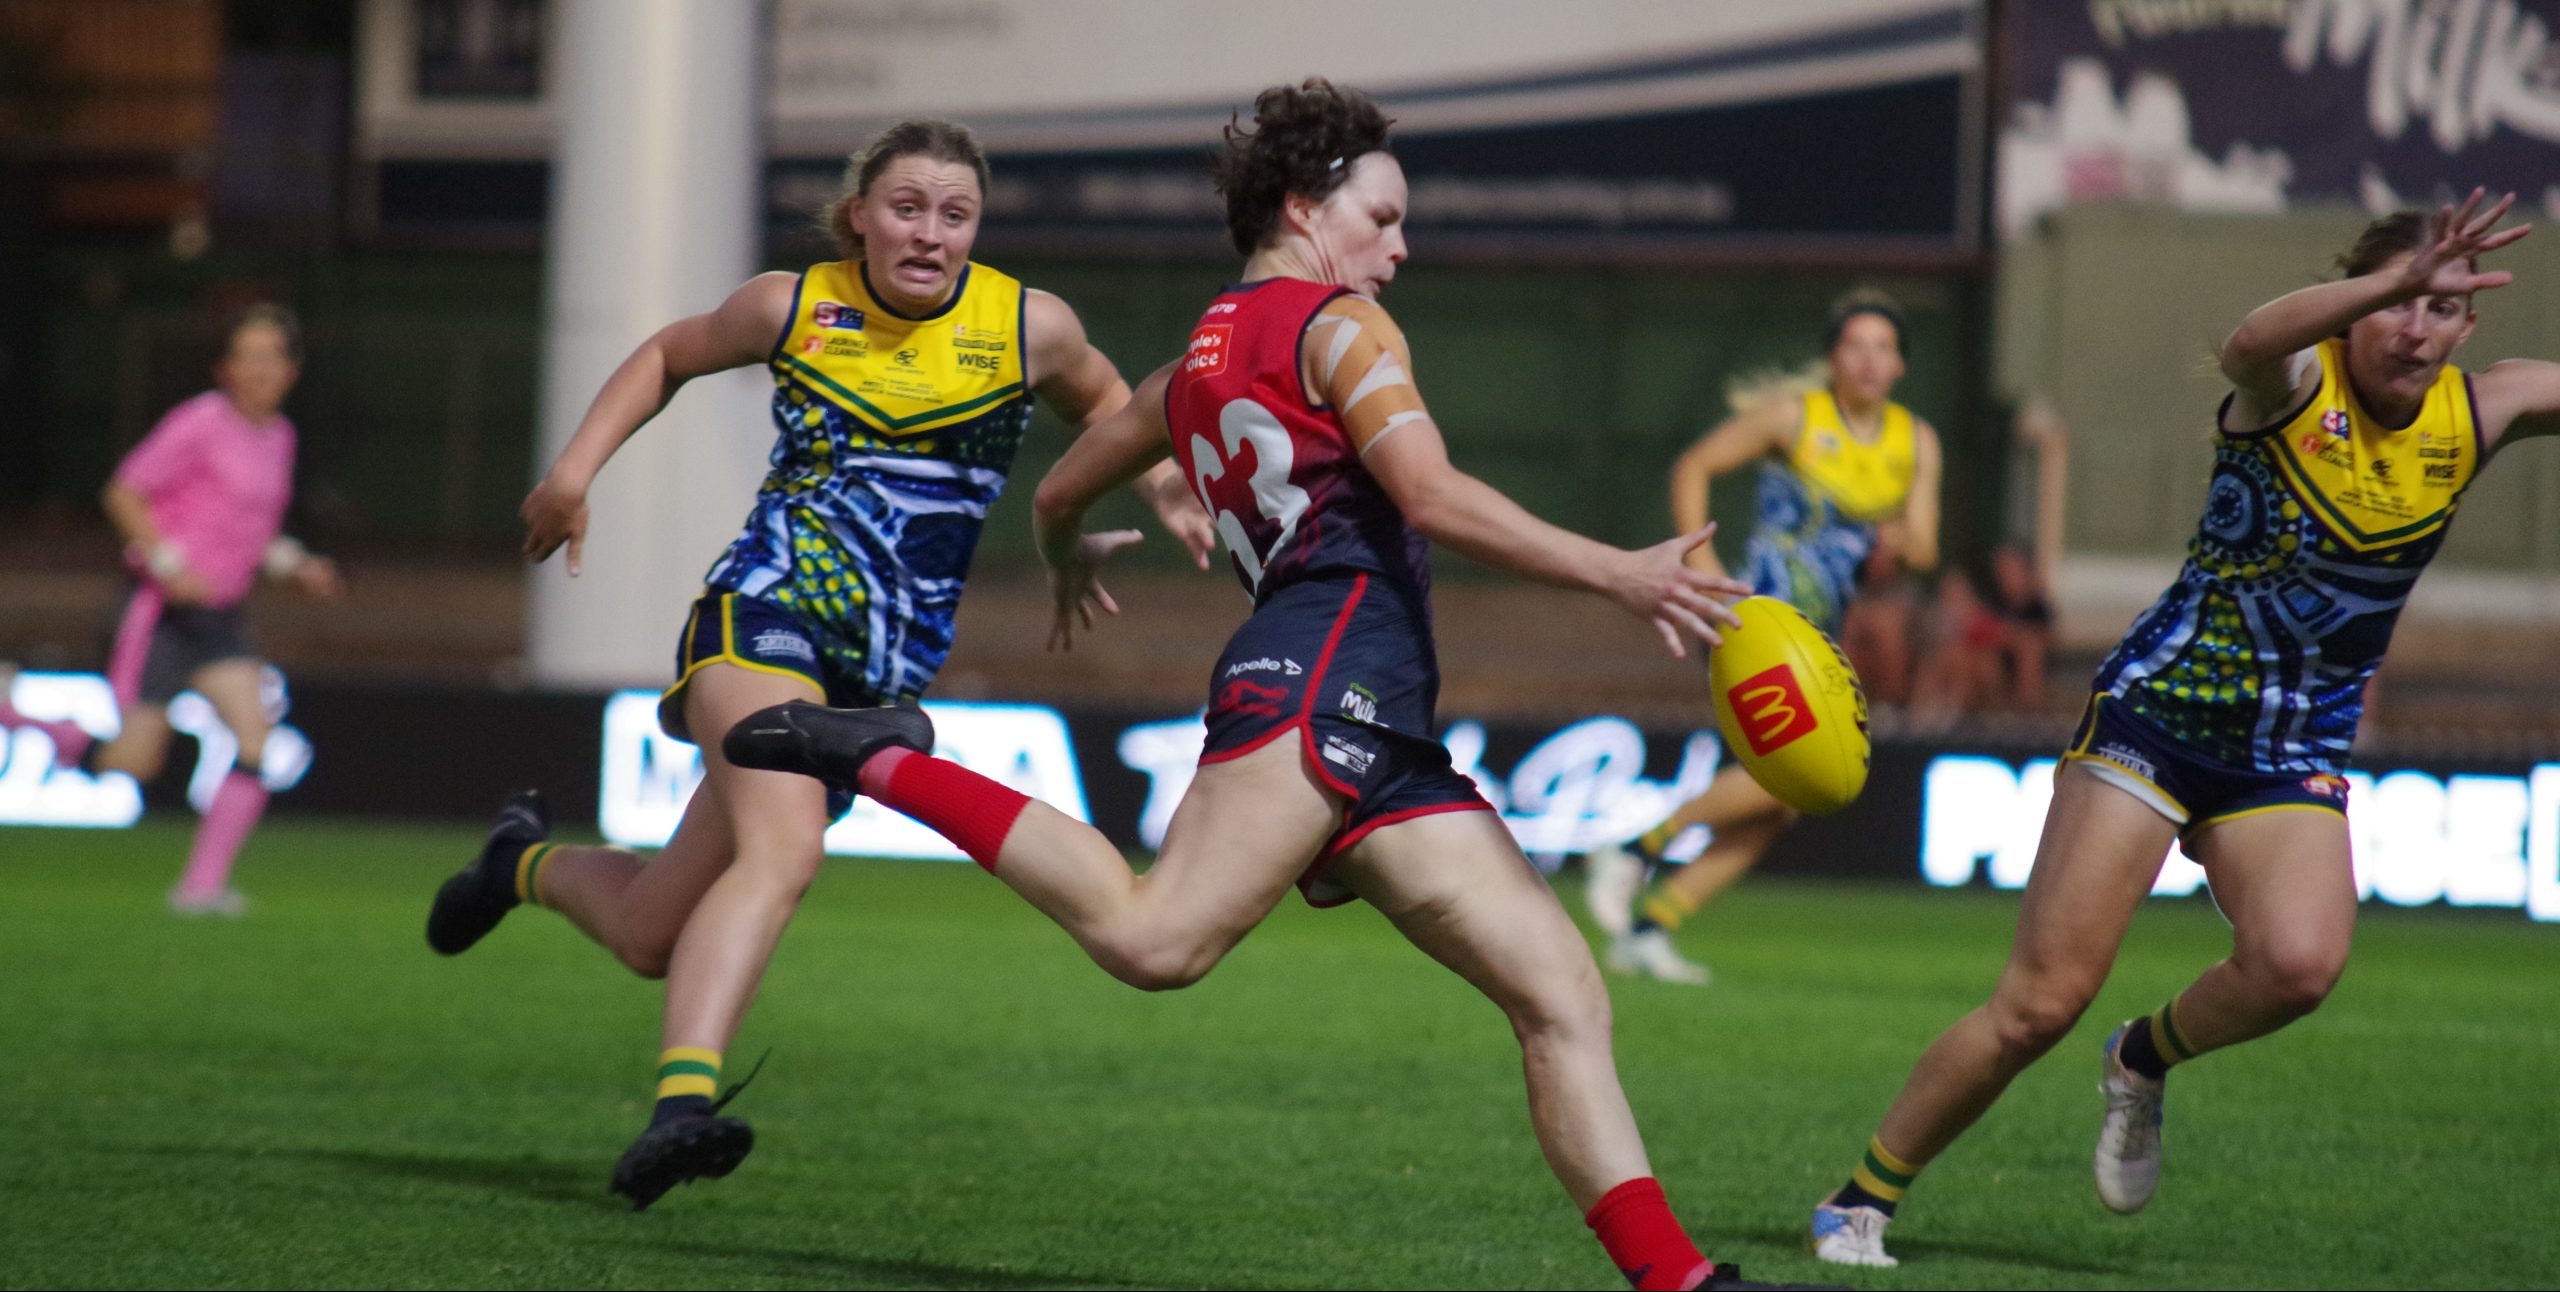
(2474, 834)
(2257, 105)
(1638, 124)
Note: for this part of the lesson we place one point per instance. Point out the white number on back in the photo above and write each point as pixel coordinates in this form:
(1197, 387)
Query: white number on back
(1240, 423)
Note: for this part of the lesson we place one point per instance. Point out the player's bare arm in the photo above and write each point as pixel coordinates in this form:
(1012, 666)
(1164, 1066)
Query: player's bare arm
(1124, 447)
(1361, 363)
(2518, 399)
(735, 335)
(1764, 430)
(1077, 382)
(2267, 358)
(1919, 522)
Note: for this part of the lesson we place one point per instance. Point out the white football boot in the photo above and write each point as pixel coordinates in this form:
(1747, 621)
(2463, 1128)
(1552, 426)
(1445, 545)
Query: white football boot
(2127, 1163)
(1611, 877)
(1649, 954)
(1849, 1236)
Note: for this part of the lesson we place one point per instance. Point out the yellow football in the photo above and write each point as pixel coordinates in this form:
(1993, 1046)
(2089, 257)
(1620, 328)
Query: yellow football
(1790, 707)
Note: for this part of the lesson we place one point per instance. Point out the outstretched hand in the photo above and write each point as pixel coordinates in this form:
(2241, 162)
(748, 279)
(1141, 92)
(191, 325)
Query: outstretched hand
(1075, 590)
(2456, 239)
(1657, 584)
(553, 515)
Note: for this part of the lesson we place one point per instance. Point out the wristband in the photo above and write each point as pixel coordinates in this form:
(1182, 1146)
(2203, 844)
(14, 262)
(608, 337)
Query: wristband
(285, 554)
(165, 560)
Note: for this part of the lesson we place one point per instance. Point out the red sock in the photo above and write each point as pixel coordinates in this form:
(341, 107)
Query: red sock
(956, 803)
(1635, 1224)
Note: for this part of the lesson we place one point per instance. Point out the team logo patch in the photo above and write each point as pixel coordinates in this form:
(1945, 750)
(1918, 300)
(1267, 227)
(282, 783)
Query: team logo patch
(2327, 786)
(1770, 706)
(835, 314)
(790, 645)
(2334, 421)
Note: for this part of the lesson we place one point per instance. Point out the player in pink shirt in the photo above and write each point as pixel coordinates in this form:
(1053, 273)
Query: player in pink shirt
(200, 504)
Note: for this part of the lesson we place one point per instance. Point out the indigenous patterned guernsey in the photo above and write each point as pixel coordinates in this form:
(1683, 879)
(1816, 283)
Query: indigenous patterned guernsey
(896, 434)
(1819, 509)
(2314, 530)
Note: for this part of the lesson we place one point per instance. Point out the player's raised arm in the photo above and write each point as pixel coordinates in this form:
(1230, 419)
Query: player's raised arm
(2267, 358)
(738, 333)
(1360, 361)
(1126, 446)
(1078, 383)
(1764, 429)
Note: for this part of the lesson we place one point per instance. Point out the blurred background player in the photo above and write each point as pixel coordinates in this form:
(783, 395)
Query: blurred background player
(1839, 463)
(200, 505)
(1295, 415)
(903, 375)
(2223, 719)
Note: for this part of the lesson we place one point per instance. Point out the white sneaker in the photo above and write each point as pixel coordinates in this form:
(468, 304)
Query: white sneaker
(1850, 1236)
(228, 904)
(2127, 1163)
(1611, 878)
(1650, 955)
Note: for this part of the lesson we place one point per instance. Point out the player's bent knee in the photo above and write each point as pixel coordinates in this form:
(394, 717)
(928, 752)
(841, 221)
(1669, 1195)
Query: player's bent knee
(647, 962)
(2298, 979)
(2031, 1021)
(1161, 968)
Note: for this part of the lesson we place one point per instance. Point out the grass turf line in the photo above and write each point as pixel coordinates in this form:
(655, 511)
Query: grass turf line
(309, 1097)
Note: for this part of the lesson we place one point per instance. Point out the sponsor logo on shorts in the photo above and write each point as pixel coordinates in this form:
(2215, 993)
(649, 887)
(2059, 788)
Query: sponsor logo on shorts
(2327, 786)
(1266, 664)
(1351, 757)
(836, 314)
(784, 642)
(1771, 708)
(1250, 697)
(2127, 759)
(1360, 704)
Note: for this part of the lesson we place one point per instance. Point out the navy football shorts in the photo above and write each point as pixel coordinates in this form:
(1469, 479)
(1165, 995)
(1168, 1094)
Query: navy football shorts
(735, 629)
(1345, 666)
(2183, 785)
(187, 638)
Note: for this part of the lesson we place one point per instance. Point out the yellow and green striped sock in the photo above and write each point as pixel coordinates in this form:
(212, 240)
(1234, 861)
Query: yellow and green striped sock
(2152, 1046)
(1880, 1180)
(1653, 841)
(688, 1075)
(1660, 908)
(529, 872)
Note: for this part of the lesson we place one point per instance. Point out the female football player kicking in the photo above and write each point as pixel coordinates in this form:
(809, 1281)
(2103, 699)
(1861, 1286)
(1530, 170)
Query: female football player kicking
(1295, 417)
(1843, 469)
(2224, 718)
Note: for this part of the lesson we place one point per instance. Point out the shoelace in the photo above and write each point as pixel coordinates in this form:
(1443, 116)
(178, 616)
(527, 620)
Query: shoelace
(740, 1088)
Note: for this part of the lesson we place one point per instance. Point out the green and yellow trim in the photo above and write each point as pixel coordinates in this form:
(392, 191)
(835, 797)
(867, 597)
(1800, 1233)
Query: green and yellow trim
(529, 872)
(2165, 1037)
(688, 1070)
(880, 419)
(728, 652)
(2331, 808)
(1884, 1175)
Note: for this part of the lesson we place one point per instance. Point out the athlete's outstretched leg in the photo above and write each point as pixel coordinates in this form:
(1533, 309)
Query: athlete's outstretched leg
(2285, 881)
(232, 685)
(2101, 850)
(1456, 884)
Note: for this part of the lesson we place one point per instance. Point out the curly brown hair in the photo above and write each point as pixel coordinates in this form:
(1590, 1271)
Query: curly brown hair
(1303, 140)
(942, 141)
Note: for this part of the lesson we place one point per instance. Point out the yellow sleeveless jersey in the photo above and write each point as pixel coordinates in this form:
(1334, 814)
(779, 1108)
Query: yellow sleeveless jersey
(895, 437)
(1819, 508)
(1866, 481)
(2314, 531)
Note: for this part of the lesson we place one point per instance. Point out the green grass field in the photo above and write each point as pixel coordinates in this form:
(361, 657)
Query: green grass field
(956, 1099)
